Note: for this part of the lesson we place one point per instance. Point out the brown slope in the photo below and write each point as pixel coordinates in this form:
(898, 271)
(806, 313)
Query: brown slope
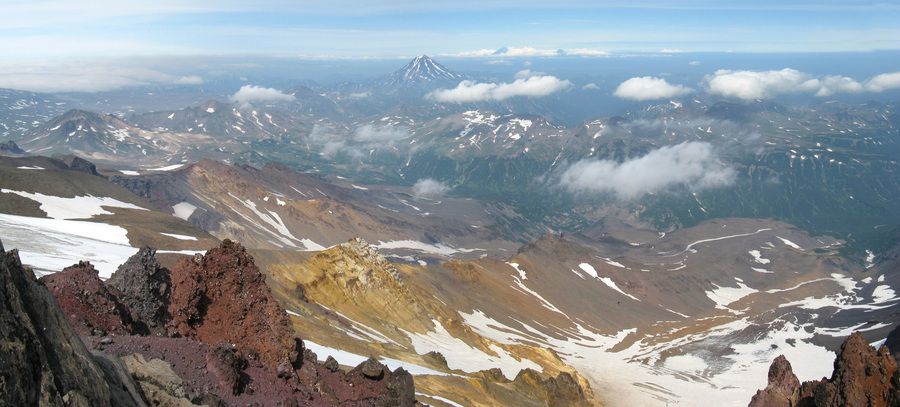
(274, 207)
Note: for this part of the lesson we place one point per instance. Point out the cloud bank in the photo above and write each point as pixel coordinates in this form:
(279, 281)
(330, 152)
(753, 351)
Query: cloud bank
(649, 88)
(750, 85)
(251, 93)
(512, 52)
(525, 85)
(691, 164)
(429, 188)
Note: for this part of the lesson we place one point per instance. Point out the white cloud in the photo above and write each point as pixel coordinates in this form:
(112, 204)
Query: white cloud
(587, 52)
(362, 141)
(694, 63)
(670, 51)
(692, 164)
(750, 85)
(883, 82)
(838, 84)
(189, 80)
(527, 73)
(649, 88)
(251, 93)
(470, 91)
(428, 187)
(385, 135)
(591, 86)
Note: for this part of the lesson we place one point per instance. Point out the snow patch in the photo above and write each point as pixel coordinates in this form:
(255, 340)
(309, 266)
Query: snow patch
(723, 296)
(50, 245)
(463, 357)
(183, 210)
(612, 284)
(79, 207)
(757, 257)
(181, 237)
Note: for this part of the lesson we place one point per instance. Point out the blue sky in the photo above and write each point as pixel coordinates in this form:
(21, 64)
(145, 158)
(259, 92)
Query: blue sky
(45, 29)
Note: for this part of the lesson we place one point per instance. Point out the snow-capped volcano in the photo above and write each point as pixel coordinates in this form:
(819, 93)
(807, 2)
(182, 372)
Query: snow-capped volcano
(421, 70)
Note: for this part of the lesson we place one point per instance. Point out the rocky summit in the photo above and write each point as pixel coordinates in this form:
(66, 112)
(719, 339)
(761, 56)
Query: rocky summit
(228, 342)
(863, 376)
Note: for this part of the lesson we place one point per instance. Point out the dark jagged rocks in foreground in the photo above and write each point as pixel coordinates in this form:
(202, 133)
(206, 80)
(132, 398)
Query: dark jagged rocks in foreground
(863, 376)
(216, 337)
(42, 360)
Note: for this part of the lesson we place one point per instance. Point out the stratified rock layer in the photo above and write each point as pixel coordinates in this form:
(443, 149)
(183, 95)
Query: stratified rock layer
(863, 376)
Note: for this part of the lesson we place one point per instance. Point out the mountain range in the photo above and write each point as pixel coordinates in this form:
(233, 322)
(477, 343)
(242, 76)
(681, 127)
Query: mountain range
(666, 255)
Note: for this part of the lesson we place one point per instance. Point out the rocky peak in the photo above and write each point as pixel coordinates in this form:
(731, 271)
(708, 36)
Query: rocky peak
(221, 297)
(77, 163)
(863, 376)
(421, 69)
(366, 254)
(11, 148)
(89, 305)
(144, 285)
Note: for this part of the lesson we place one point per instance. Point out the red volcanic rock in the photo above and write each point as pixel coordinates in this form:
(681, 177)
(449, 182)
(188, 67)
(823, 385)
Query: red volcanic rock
(221, 297)
(210, 373)
(89, 305)
(783, 389)
(862, 376)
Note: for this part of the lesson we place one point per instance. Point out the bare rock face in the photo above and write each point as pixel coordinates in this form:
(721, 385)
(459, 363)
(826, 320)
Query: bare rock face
(783, 388)
(862, 376)
(559, 391)
(90, 306)
(42, 360)
(144, 285)
(221, 297)
(77, 163)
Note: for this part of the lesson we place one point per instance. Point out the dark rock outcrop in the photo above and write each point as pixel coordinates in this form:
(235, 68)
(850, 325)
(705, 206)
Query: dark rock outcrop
(42, 360)
(77, 163)
(893, 343)
(144, 285)
(783, 388)
(90, 306)
(863, 376)
(221, 297)
(10, 148)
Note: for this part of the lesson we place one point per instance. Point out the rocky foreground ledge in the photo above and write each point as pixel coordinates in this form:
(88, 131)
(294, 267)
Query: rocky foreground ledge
(863, 376)
(206, 332)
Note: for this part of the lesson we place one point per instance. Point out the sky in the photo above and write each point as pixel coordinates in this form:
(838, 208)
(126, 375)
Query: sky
(46, 29)
(64, 45)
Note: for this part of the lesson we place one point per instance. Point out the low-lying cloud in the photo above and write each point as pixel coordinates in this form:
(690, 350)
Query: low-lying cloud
(429, 188)
(690, 164)
(525, 85)
(251, 93)
(361, 141)
(189, 80)
(649, 88)
(750, 85)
